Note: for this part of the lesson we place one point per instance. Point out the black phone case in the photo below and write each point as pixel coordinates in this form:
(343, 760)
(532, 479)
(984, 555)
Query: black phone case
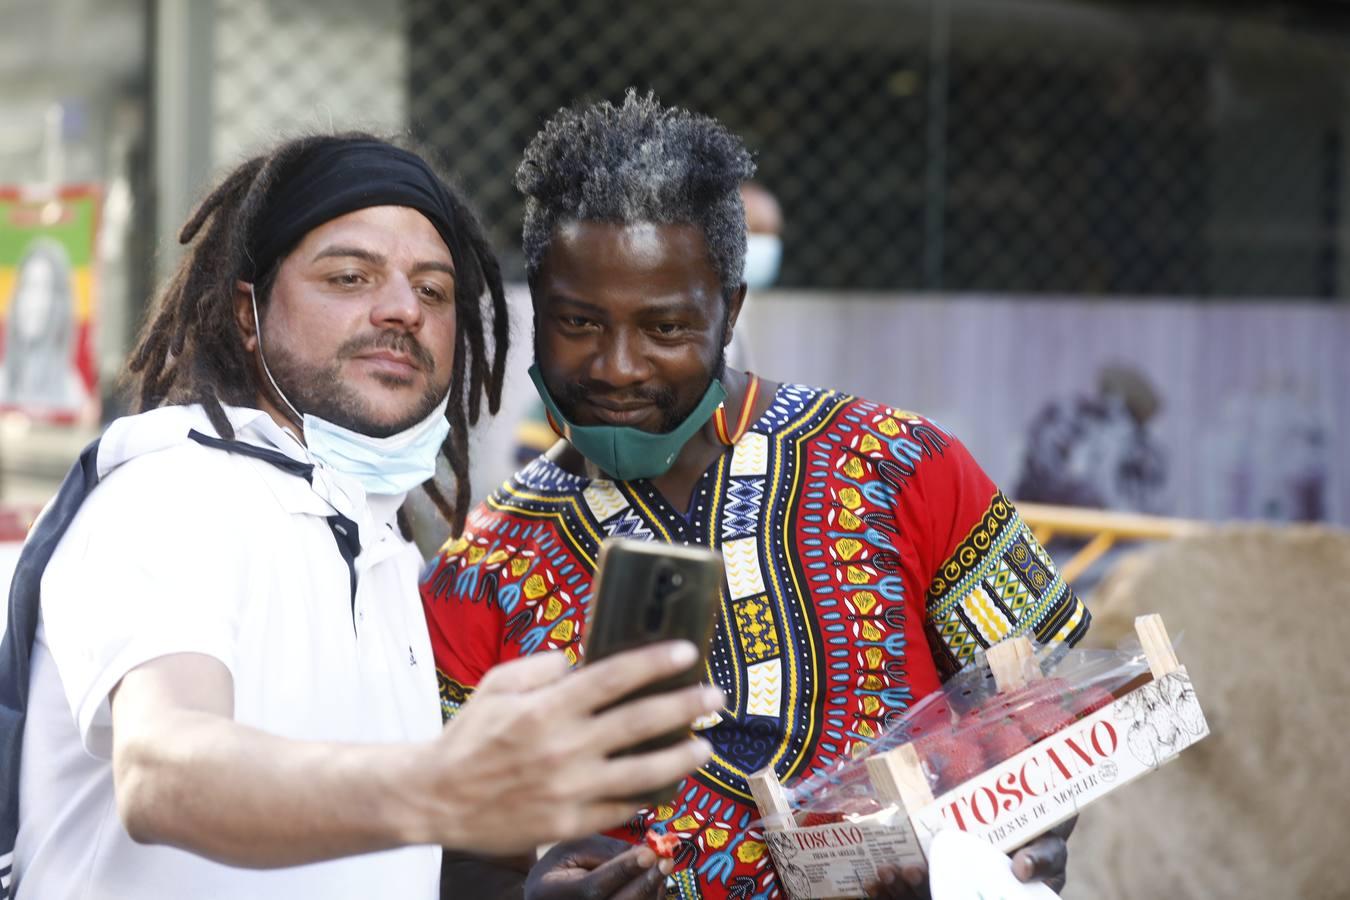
(646, 592)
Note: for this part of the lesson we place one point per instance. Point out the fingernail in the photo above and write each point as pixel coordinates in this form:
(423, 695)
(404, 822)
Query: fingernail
(683, 654)
(705, 750)
(914, 877)
(666, 866)
(645, 857)
(713, 698)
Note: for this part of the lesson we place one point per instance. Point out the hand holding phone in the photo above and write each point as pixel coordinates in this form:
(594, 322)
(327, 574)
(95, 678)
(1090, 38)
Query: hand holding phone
(646, 592)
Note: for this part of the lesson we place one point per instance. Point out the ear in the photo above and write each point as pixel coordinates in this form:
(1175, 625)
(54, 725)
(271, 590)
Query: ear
(243, 315)
(734, 303)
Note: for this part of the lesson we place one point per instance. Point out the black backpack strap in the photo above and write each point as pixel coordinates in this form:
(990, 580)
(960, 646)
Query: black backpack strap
(17, 647)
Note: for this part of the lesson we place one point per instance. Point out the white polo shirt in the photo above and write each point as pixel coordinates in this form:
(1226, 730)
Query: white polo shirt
(188, 549)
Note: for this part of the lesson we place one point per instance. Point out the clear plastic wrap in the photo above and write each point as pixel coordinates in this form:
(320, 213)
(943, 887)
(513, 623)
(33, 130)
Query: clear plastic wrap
(1011, 746)
(969, 726)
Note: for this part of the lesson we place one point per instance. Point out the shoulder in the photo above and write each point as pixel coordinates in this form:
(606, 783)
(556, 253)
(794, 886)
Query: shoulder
(793, 402)
(879, 439)
(172, 484)
(793, 405)
(539, 488)
(543, 475)
(180, 504)
(185, 474)
(184, 507)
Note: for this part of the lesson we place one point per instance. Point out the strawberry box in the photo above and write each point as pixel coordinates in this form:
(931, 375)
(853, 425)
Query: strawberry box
(1005, 763)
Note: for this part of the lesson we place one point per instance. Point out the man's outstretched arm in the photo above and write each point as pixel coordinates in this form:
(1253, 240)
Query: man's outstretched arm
(526, 762)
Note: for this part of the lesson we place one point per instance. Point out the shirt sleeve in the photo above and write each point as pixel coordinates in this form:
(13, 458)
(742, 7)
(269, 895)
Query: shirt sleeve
(464, 616)
(984, 576)
(149, 567)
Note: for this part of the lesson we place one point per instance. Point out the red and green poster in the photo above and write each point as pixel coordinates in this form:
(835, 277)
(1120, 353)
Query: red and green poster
(47, 303)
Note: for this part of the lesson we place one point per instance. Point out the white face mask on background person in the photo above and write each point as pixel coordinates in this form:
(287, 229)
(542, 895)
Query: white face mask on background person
(389, 465)
(763, 254)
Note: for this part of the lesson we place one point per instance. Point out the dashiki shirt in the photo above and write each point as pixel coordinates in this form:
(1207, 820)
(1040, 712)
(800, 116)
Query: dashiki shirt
(867, 557)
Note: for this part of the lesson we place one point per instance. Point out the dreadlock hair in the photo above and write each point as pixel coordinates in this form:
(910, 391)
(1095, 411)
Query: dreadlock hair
(639, 162)
(190, 349)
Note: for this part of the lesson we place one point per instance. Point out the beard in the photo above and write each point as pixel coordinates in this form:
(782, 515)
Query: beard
(572, 394)
(321, 391)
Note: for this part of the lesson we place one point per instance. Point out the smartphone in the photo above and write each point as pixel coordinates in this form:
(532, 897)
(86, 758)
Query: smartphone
(646, 592)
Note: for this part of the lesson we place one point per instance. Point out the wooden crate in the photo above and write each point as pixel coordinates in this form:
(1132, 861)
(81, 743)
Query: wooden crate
(1007, 804)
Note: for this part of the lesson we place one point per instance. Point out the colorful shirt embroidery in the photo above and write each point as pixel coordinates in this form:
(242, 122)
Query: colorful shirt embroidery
(867, 556)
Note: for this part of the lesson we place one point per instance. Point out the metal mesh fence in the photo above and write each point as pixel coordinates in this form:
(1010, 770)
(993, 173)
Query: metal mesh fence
(828, 98)
(1042, 146)
(289, 65)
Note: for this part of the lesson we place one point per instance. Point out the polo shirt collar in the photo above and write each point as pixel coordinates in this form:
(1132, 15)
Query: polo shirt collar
(344, 493)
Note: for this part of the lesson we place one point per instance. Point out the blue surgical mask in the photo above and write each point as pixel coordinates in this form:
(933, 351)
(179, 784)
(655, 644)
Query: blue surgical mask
(763, 254)
(387, 465)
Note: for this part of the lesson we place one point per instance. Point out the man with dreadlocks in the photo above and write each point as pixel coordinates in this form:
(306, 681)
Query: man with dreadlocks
(867, 555)
(215, 641)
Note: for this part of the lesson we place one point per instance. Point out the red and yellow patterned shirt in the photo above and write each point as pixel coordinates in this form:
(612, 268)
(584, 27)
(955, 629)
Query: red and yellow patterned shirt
(867, 558)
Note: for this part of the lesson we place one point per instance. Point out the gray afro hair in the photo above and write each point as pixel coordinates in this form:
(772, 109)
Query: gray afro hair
(639, 162)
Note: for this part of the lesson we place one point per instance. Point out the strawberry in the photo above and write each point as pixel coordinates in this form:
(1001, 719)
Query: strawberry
(1043, 719)
(840, 810)
(1087, 701)
(1001, 740)
(1029, 694)
(955, 758)
(859, 806)
(931, 715)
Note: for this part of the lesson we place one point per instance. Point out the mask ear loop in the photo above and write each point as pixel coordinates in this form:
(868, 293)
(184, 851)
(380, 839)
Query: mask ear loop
(257, 330)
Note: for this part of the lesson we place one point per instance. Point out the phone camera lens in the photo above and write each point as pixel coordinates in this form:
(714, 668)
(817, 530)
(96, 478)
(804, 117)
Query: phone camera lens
(667, 582)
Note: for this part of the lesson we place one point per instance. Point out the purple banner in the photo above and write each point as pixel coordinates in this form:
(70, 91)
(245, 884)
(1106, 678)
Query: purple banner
(1206, 410)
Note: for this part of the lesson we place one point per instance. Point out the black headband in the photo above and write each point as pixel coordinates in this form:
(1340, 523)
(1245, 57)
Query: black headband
(337, 178)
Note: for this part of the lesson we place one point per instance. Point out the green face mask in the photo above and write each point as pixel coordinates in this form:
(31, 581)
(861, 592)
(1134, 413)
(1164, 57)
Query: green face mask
(628, 453)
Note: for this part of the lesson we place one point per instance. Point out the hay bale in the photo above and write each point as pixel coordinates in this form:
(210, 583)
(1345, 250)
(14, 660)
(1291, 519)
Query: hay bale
(1260, 808)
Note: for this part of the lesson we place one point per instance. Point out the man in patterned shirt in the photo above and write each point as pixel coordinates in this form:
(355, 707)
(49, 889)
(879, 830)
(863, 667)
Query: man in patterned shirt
(867, 555)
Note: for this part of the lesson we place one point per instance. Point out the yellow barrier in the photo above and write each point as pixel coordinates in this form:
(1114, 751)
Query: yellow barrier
(1102, 527)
